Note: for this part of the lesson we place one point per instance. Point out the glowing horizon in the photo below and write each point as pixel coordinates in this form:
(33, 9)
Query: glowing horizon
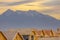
(49, 7)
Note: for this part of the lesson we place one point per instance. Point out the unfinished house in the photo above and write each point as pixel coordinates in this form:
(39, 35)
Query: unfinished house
(56, 35)
(12, 35)
(38, 34)
(49, 35)
(2, 37)
(30, 34)
(27, 34)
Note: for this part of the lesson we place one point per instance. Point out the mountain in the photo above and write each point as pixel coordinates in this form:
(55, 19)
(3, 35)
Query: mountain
(30, 19)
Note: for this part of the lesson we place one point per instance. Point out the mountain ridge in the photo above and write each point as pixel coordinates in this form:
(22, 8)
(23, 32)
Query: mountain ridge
(28, 19)
(23, 12)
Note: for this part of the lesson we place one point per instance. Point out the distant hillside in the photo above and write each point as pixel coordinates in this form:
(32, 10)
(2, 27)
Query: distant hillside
(30, 19)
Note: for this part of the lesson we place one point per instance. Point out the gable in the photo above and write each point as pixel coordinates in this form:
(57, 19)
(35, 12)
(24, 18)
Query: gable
(9, 34)
(48, 33)
(38, 33)
(18, 37)
(2, 37)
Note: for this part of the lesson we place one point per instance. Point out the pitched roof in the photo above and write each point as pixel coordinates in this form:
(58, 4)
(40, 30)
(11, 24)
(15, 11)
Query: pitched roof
(25, 31)
(9, 34)
(38, 33)
(56, 34)
(47, 33)
(3, 35)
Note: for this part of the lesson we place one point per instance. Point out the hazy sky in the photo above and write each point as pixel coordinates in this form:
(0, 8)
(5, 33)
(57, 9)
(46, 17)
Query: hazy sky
(50, 7)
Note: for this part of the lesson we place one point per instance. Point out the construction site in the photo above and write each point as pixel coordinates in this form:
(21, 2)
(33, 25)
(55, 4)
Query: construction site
(30, 34)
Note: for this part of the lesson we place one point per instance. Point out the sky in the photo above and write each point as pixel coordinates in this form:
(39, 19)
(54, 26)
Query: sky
(48, 7)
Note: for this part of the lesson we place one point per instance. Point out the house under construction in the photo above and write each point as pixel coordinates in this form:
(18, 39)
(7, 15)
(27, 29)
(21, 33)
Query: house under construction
(30, 34)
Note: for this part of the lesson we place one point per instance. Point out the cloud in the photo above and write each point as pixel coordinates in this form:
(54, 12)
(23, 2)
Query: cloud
(55, 7)
(52, 3)
(10, 0)
(51, 12)
(55, 10)
(15, 3)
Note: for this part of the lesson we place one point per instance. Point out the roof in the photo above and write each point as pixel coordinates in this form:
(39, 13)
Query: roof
(9, 34)
(38, 33)
(3, 35)
(47, 33)
(56, 34)
(25, 31)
